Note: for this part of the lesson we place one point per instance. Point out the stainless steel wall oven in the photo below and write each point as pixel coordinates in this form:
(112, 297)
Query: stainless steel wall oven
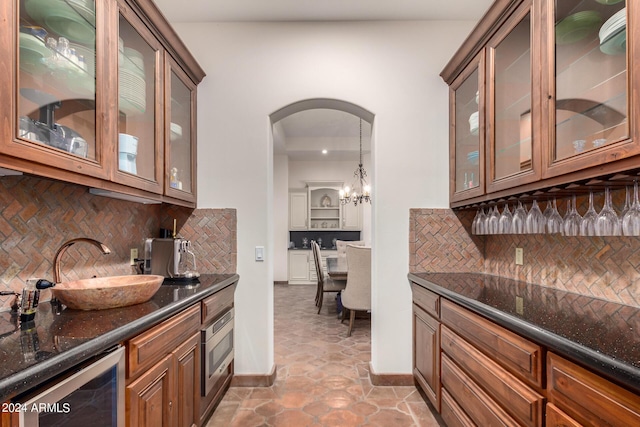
(217, 351)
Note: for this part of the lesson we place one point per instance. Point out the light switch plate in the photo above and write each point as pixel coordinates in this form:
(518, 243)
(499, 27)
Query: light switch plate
(259, 253)
(519, 256)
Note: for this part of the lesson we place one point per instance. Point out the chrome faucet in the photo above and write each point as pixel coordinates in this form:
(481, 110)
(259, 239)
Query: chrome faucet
(56, 260)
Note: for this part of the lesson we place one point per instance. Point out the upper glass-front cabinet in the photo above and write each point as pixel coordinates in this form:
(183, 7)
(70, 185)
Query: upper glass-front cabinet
(100, 93)
(55, 94)
(589, 92)
(180, 179)
(510, 116)
(467, 137)
(140, 114)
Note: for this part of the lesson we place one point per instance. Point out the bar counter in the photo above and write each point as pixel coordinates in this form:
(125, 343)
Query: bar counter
(62, 338)
(601, 335)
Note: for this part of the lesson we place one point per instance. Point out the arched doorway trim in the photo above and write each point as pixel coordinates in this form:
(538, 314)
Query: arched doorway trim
(333, 104)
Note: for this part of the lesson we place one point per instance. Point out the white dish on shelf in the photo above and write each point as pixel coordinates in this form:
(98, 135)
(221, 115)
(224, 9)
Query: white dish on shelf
(613, 25)
(474, 123)
(176, 131)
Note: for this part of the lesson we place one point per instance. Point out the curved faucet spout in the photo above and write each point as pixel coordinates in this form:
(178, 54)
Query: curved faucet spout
(56, 259)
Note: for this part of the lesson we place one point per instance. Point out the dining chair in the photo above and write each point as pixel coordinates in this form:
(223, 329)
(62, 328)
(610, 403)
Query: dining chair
(325, 284)
(341, 246)
(357, 294)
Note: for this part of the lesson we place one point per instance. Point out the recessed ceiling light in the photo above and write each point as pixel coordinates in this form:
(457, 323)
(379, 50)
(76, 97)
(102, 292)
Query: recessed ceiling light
(324, 151)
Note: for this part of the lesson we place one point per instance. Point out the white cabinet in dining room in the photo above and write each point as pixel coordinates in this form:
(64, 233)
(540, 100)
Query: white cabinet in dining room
(299, 261)
(352, 217)
(298, 209)
(325, 209)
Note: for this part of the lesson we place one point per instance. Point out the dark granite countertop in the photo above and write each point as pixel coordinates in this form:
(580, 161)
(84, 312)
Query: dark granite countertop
(60, 341)
(601, 335)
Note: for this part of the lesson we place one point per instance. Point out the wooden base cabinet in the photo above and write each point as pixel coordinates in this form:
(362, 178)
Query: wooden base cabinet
(587, 398)
(163, 373)
(477, 373)
(426, 357)
(149, 399)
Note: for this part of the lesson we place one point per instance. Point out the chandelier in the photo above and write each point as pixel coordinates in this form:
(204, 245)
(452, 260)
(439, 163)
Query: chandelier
(360, 191)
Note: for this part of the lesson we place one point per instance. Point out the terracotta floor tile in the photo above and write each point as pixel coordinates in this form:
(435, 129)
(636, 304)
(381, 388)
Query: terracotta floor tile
(322, 375)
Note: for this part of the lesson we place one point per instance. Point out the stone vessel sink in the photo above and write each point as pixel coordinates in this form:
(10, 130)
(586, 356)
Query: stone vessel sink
(107, 292)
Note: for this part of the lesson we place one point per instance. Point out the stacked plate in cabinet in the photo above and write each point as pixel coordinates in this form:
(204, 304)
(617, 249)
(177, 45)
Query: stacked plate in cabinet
(473, 157)
(577, 26)
(133, 96)
(73, 19)
(613, 34)
(33, 54)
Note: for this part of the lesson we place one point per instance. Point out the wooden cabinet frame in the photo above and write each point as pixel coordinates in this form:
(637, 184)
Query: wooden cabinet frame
(478, 63)
(615, 163)
(102, 172)
(529, 175)
(623, 148)
(171, 66)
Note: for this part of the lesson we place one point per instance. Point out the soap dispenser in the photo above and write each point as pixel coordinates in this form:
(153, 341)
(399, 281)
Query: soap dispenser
(30, 298)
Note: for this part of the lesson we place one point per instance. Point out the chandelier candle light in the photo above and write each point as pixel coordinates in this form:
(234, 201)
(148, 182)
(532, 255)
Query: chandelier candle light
(360, 191)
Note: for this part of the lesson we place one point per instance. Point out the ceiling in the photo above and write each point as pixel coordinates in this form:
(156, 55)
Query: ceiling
(303, 135)
(322, 10)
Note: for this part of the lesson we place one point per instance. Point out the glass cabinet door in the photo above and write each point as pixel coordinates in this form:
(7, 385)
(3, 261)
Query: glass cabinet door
(467, 138)
(139, 149)
(180, 140)
(56, 98)
(591, 82)
(511, 100)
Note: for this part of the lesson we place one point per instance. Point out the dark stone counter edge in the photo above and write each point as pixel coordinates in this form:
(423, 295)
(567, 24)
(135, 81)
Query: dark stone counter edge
(33, 376)
(606, 366)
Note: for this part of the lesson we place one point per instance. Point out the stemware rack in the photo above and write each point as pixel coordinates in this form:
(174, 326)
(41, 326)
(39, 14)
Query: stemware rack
(617, 183)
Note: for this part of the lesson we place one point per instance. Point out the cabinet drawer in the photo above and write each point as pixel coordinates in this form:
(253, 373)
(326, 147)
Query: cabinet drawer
(217, 303)
(147, 348)
(470, 397)
(426, 299)
(516, 354)
(520, 401)
(452, 414)
(588, 398)
(557, 418)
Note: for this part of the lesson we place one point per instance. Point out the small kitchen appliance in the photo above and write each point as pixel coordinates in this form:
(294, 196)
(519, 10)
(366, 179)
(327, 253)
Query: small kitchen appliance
(173, 259)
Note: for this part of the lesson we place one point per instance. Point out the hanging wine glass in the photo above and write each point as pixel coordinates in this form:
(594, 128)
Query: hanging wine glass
(535, 222)
(627, 204)
(504, 224)
(480, 226)
(588, 224)
(572, 219)
(474, 223)
(519, 218)
(493, 220)
(607, 223)
(554, 220)
(631, 219)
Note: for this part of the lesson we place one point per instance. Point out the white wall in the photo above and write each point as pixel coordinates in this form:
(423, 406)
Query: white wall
(281, 217)
(389, 68)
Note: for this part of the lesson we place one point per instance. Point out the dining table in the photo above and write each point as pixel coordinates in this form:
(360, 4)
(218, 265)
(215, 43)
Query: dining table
(337, 268)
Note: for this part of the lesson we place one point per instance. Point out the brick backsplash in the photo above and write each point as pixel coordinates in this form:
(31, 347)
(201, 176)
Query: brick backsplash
(440, 240)
(37, 215)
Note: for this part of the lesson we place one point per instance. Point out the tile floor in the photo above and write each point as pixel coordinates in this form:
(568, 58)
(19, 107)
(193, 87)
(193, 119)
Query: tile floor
(322, 375)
